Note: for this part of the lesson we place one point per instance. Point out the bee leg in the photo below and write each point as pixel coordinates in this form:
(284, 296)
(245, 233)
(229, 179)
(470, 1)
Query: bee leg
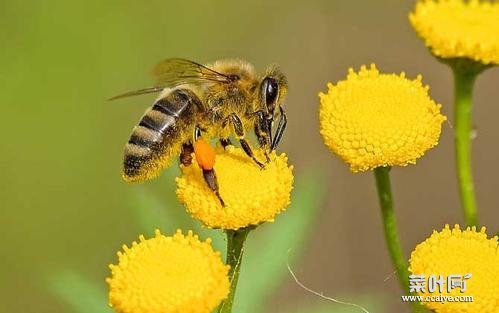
(225, 142)
(280, 129)
(247, 149)
(263, 132)
(211, 180)
(208, 171)
(186, 154)
(239, 130)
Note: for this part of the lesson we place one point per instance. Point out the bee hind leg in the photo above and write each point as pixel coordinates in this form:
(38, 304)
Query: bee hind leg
(186, 154)
(211, 180)
(205, 156)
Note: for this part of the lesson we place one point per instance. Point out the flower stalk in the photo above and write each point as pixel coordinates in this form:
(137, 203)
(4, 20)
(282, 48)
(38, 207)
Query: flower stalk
(463, 92)
(465, 73)
(383, 185)
(235, 250)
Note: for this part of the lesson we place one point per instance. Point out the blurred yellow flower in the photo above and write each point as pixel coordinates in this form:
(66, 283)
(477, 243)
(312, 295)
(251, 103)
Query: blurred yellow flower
(251, 195)
(372, 119)
(176, 274)
(458, 252)
(459, 29)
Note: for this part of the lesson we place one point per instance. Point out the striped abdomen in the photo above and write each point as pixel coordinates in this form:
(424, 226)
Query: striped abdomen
(160, 134)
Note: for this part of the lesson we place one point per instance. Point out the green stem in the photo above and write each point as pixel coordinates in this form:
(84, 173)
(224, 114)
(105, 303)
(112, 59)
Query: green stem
(463, 90)
(382, 175)
(235, 249)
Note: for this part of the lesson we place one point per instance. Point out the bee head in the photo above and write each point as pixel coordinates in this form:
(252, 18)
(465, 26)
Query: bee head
(273, 89)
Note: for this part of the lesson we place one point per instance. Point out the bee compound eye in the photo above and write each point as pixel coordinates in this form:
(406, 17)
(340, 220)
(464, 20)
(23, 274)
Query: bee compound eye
(271, 90)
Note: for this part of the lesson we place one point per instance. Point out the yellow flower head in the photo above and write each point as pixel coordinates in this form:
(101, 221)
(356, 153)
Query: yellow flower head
(458, 252)
(251, 195)
(459, 29)
(177, 274)
(372, 119)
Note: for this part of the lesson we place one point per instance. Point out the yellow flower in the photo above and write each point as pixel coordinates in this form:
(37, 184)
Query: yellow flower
(372, 119)
(457, 252)
(459, 29)
(177, 274)
(251, 195)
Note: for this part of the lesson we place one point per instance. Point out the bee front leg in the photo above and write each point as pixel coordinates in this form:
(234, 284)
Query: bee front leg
(239, 130)
(262, 129)
(283, 121)
(263, 132)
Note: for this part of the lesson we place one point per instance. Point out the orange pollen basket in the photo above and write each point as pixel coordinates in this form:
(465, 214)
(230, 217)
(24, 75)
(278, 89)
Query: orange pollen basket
(205, 154)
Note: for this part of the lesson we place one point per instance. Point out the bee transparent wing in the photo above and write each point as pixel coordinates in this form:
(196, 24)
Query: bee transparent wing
(138, 92)
(174, 72)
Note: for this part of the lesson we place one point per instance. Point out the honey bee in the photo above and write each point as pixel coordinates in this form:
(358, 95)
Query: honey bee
(213, 101)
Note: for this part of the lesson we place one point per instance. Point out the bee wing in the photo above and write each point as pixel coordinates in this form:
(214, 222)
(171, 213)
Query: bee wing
(138, 92)
(174, 72)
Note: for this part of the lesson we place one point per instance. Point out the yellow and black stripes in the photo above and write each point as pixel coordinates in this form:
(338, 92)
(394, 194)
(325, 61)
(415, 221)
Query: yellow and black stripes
(160, 134)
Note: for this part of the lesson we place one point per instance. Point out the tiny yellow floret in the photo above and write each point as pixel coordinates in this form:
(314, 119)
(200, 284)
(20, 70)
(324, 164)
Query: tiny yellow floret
(371, 119)
(459, 252)
(177, 274)
(251, 195)
(459, 29)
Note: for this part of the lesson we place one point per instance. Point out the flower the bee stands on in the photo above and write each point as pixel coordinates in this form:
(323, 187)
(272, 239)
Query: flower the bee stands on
(252, 195)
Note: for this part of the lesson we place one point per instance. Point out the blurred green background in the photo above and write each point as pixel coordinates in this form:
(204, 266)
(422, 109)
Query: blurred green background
(64, 211)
